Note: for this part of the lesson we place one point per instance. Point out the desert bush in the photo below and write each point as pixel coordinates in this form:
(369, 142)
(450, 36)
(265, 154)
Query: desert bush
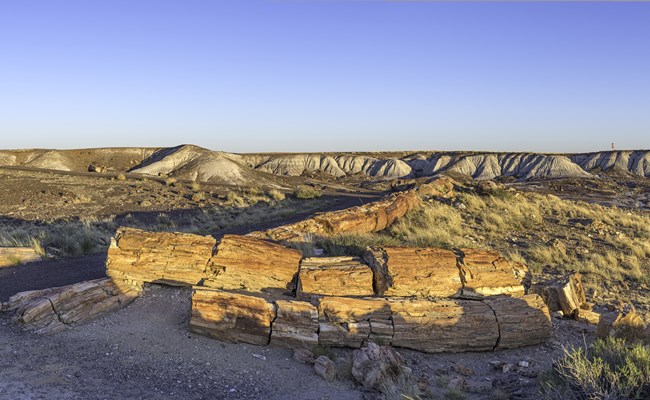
(255, 191)
(195, 186)
(234, 199)
(276, 195)
(401, 388)
(306, 192)
(609, 369)
(199, 196)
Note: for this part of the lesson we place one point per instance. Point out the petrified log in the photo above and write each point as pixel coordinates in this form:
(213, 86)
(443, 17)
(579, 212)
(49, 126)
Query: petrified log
(325, 368)
(564, 294)
(587, 316)
(421, 272)
(444, 325)
(51, 310)
(349, 322)
(438, 187)
(371, 217)
(10, 256)
(233, 317)
(335, 276)
(379, 367)
(523, 321)
(486, 273)
(136, 256)
(252, 264)
(627, 325)
(296, 324)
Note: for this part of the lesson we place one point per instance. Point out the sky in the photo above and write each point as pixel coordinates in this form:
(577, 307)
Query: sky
(276, 76)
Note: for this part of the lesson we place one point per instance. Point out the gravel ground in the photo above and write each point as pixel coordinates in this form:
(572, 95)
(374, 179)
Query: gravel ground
(145, 351)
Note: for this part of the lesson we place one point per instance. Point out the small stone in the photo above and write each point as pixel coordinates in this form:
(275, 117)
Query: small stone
(325, 368)
(303, 356)
(524, 364)
(259, 356)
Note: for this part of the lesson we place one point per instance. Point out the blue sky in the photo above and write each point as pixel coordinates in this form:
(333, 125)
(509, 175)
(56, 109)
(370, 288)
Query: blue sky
(252, 76)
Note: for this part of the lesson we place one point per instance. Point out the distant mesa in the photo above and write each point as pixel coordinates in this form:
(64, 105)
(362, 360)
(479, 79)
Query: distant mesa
(197, 163)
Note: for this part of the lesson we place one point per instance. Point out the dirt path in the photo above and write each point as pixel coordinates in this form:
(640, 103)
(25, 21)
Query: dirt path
(50, 273)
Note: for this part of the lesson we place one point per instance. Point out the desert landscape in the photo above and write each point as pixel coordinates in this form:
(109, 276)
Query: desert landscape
(190, 273)
(324, 200)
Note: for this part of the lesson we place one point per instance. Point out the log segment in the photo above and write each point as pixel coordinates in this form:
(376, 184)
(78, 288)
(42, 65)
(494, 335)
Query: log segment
(420, 272)
(232, 317)
(445, 325)
(564, 294)
(334, 276)
(254, 265)
(137, 256)
(51, 310)
(486, 273)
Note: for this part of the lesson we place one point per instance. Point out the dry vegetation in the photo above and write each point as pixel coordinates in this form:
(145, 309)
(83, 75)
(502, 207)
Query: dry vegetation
(90, 234)
(609, 369)
(610, 246)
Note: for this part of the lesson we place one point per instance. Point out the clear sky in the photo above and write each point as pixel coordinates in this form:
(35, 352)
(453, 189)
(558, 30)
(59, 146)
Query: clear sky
(252, 76)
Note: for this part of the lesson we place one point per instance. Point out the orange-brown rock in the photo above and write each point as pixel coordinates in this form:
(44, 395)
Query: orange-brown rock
(587, 316)
(10, 256)
(251, 264)
(486, 273)
(51, 310)
(523, 321)
(136, 256)
(350, 322)
(627, 325)
(420, 272)
(232, 317)
(296, 324)
(443, 325)
(564, 294)
(439, 187)
(371, 217)
(334, 276)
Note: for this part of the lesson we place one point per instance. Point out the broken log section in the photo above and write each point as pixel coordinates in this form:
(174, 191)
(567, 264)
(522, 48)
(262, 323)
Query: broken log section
(440, 325)
(51, 310)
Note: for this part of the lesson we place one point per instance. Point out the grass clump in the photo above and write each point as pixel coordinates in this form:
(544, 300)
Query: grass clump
(195, 186)
(276, 195)
(609, 369)
(306, 192)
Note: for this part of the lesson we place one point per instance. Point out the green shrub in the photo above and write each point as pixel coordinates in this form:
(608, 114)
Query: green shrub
(609, 369)
(306, 192)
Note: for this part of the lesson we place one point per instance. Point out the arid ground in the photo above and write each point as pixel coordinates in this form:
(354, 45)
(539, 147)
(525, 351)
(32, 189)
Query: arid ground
(576, 213)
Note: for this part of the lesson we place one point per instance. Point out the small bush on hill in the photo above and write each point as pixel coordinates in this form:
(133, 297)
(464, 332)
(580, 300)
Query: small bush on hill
(306, 192)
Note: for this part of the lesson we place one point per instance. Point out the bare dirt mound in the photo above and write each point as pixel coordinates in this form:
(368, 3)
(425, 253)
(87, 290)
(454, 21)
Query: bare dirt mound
(113, 159)
(196, 163)
(338, 166)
